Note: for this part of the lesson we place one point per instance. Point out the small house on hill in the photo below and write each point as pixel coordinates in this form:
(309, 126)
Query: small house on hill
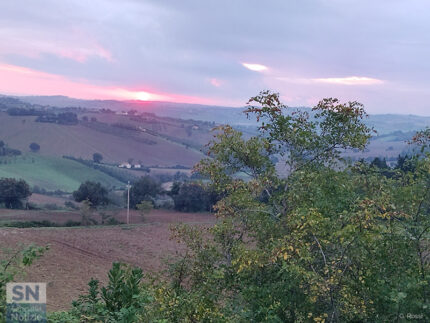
(125, 165)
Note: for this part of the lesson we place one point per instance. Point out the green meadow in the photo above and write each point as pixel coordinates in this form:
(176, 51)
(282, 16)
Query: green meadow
(53, 173)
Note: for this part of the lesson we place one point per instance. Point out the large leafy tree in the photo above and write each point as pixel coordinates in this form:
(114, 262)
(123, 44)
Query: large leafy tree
(329, 242)
(93, 192)
(191, 197)
(13, 192)
(144, 189)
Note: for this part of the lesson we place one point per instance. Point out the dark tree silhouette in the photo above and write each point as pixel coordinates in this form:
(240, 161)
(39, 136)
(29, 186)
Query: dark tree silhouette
(143, 190)
(93, 192)
(97, 158)
(13, 192)
(35, 147)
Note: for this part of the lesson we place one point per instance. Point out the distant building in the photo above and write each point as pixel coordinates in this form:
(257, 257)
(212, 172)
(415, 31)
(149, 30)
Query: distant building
(137, 166)
(124, 165)
(195, 127)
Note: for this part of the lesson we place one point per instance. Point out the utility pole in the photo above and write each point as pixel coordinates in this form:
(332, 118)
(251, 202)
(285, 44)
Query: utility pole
(128, 202)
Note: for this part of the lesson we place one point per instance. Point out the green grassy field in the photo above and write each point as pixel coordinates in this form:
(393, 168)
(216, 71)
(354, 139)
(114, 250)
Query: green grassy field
(52, 173)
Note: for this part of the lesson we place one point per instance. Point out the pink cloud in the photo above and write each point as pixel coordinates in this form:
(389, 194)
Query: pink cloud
(215, 82)
(81, 55)
(350, 80)
(75, 45)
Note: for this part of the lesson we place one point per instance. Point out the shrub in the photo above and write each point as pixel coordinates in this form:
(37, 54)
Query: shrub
(71, 223)
(34, 147)
(71, 205)
(97, 158)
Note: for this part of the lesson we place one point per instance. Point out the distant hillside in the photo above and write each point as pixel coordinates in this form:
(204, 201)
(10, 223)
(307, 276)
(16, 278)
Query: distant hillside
(158, 133)
(383, 123)
(116, 144)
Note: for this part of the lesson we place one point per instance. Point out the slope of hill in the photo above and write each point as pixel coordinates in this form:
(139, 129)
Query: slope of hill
(82, 140)
(52, 173)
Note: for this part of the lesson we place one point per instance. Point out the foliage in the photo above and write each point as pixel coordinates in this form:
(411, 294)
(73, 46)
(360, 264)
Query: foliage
(331, 242)
(97, 158)
(145, 189)
(93, 192)
(120, 301)
(34, 147)
(29, 224)
(319, 244)
(379, 163)
(71, 205)
(144, 208)
(87, 213)
(12, 263)
(7, 151)
(191, 197)
(119, 174)
(67, 118)
(13, 191)
(406, 163)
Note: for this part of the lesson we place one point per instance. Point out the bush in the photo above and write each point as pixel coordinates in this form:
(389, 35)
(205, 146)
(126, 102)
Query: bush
(97, 158)
(71, 205)
(119, 301)
(164, 202)
(34, 147)
(71, 223)
(112, 221)
(30, 224)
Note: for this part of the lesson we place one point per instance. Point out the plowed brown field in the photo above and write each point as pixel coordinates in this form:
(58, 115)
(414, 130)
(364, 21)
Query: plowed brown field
(77, 254)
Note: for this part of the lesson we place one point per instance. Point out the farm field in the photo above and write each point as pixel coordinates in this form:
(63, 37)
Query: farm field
(116, 145)
(41, 199)
(80, 253)
(53, 173)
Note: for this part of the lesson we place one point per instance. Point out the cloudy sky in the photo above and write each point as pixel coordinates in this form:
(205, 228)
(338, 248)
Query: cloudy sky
(220, 51)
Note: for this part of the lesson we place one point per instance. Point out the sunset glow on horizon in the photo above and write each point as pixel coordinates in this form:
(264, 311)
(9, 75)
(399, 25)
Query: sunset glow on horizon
(17, 80)
(194, 53)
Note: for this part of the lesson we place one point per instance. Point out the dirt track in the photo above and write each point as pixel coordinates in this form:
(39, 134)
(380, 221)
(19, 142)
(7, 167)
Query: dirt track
(78, 254)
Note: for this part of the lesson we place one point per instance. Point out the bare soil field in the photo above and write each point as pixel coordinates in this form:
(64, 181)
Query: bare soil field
(78, 254)
(46, 199)
(61, 217)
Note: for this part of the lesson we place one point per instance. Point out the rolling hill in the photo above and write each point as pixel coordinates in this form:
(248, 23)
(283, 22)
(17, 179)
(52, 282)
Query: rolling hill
(155, 134)
(53, 173)
(384, 123)
(82, 140)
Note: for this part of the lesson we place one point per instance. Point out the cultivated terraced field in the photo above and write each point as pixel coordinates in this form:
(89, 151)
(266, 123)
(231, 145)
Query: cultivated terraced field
(83, 141)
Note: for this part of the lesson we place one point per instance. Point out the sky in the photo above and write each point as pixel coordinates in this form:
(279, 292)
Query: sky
(220, 52)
